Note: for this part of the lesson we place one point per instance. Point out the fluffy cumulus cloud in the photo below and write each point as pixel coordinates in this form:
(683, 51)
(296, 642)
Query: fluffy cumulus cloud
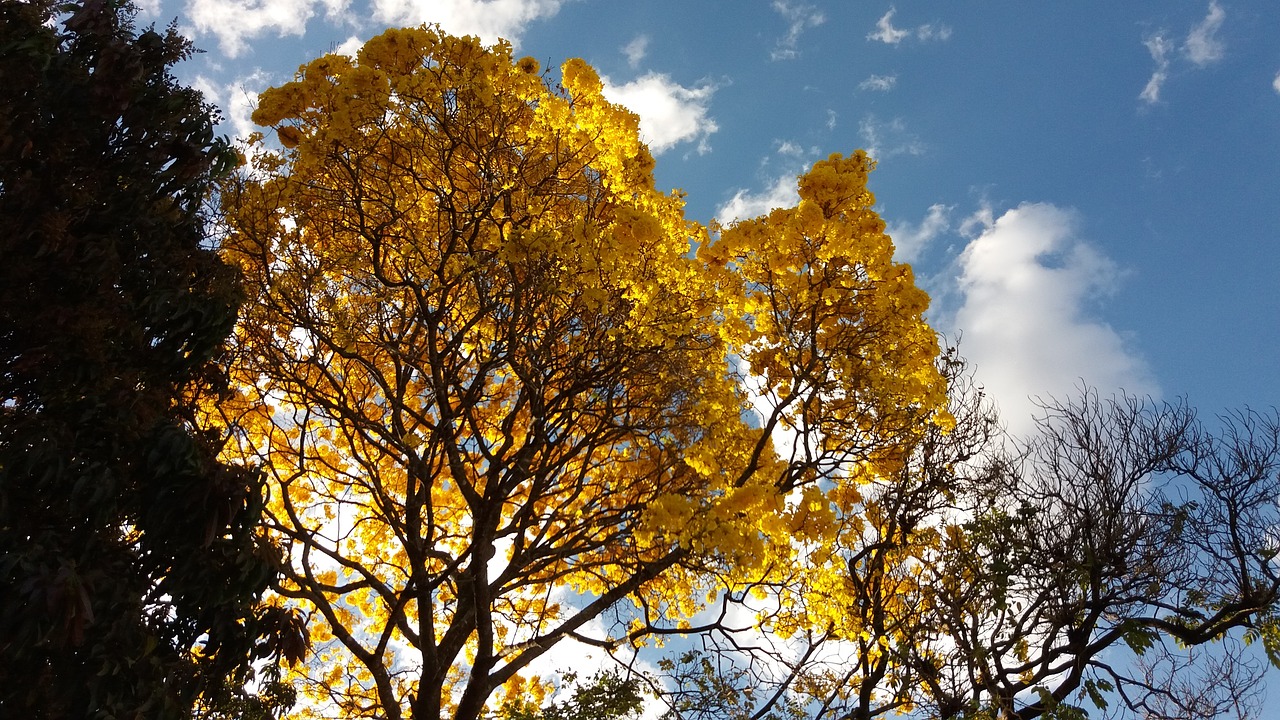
(909, 239)
(488, 19)
(236, 22)
(1275, 84)
(886, 33)
(745, 204)
(349, 47)
(799, 17)
(669, 112)
(880, 83)
(1203, 46)
(1026, 283)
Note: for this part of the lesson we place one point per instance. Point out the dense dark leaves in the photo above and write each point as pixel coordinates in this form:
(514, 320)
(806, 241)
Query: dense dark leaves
(131, 567)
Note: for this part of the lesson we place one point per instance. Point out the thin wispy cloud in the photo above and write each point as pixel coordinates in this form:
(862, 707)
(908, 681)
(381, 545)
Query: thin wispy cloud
(670, 113)
(799, 17)
(1275, 84)
(879, 83)
(791, 149)
(883, 139)
(1159, 47)
(910, 239)
(636, 50)
(1203, 45)
(885, 31)
(933, 32)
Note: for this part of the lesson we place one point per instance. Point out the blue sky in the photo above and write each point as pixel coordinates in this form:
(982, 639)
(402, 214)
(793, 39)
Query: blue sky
(1087, 189)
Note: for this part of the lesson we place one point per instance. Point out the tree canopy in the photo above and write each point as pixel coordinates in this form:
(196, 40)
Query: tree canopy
(508, 396)
(446, 378)
(132, 564)
(504, 389)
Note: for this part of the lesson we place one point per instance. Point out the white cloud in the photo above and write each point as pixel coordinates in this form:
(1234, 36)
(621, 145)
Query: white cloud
(931, 32)
(339, 12)
(1276, 83)
(1203, 46)
(235, 22)
(979, 222)
(909, 239)
(1159, 47)
(886, 33)
(887, 139)
(745, 205)
(799, 17)
(350, 46)
(207, 88)
(488, 19)
(786, 147)
(636, 50)
(881, 83)
(237, 99)
(148, 8)
(669, 112)
(1026, 284)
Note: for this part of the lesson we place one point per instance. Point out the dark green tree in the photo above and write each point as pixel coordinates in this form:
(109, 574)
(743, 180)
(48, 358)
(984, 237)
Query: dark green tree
(131, 563)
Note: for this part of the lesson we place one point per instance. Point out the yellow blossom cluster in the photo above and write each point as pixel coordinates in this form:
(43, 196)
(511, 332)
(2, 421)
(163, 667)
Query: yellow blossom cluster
(502, 385)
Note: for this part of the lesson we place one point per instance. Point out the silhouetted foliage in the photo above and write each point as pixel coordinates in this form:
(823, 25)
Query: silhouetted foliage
(131, 567)
(1117, 563)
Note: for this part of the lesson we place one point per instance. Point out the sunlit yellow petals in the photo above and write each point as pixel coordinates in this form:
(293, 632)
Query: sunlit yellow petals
(479, 343)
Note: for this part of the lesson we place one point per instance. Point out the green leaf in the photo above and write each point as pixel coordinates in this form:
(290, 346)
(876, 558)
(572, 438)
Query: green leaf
(1140, 639)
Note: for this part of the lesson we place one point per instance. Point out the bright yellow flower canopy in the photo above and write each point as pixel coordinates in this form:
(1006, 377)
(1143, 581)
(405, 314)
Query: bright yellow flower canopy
(503, 386)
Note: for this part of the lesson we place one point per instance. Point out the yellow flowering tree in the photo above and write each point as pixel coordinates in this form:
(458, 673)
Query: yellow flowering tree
(502, 386)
